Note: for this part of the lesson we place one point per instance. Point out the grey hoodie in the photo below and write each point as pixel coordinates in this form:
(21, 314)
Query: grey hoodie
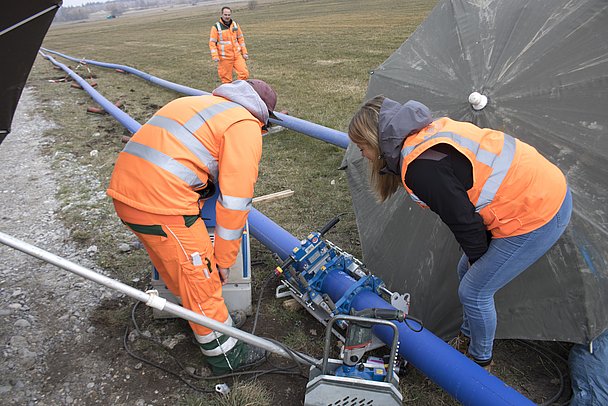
(395, 124)
(242, 93)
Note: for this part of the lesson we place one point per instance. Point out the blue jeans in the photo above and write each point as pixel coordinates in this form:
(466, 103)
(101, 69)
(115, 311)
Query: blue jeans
(505, 259)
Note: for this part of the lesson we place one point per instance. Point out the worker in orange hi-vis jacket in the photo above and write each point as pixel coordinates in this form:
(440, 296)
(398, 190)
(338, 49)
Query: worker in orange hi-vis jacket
(227, 45)
(159, 184)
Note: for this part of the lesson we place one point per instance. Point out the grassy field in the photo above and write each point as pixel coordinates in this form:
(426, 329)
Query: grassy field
(316, 54)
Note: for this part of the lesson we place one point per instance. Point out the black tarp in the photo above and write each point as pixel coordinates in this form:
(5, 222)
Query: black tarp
(544, 67)
(23, 25)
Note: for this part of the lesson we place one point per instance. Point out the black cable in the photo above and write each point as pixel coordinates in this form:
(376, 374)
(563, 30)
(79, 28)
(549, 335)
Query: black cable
(178, 376)
(260, 294)
(293, 354)
(255, 373)
(416, 320)
(543, 352)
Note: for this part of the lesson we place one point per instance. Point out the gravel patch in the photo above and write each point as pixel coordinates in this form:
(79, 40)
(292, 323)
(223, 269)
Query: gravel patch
(53, 350)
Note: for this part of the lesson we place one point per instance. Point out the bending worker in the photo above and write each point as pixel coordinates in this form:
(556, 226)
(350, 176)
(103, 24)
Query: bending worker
(503, 201)
(159, 184)
(227, 45)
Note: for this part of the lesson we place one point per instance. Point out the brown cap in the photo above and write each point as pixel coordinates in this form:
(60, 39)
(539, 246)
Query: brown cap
(266, 93)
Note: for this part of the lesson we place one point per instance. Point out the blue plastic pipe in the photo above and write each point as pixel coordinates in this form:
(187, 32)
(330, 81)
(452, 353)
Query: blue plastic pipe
(271, 235)
(459, 376)
(161, 82)
(320, 132)
(122, 117)
(463, 379)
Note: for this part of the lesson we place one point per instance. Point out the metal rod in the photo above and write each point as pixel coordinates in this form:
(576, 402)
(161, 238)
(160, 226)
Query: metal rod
(148, 298)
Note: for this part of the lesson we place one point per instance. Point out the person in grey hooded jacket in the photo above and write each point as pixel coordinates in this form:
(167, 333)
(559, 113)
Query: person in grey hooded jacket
(504, 202)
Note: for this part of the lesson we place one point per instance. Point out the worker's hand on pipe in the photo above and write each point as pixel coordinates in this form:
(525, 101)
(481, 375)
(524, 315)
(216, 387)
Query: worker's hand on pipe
(224, 274)
(216, 59)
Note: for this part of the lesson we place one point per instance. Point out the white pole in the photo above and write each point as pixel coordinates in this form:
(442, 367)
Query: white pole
(151, 299)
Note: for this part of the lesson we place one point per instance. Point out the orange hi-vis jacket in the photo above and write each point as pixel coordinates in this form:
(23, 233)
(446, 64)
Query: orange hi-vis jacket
(226, 42)
(185, 144)
(515, 189)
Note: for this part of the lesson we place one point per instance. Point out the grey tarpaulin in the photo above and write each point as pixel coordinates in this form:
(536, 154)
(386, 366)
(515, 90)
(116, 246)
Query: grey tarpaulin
(23, 25)
(544, 69)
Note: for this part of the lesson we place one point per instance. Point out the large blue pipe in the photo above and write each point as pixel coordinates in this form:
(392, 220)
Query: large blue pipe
(459, 376)
(463, 379)
(320, 132)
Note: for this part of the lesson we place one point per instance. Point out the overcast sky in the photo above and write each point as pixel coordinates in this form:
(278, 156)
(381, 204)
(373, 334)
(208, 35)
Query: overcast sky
(70, 3)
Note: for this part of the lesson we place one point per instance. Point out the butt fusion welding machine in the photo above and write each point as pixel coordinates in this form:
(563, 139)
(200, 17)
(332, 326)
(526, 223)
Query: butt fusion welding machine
(351, 380)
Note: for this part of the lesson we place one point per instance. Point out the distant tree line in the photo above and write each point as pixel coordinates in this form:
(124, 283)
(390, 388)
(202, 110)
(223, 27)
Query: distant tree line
(114, 8)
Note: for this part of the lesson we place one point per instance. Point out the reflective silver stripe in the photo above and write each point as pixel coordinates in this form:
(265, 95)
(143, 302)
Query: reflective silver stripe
(235, 203)
(225, 42)
(212, 40)
(500, 164)
(221, 349)
(500, 167)
(207, 338)
(219, 29)
(222, 48)
(188, 140)
(228, 234)
(185, 133)
(163, 161)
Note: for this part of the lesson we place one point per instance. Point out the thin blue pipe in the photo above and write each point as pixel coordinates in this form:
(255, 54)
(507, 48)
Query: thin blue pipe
(146, 76)
(317, 131)
(122, 117)
(455, 373)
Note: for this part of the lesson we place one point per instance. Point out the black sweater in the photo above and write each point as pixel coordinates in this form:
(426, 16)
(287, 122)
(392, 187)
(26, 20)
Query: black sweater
(442, 184)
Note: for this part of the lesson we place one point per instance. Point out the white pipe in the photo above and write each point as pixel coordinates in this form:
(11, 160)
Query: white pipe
(151, 299)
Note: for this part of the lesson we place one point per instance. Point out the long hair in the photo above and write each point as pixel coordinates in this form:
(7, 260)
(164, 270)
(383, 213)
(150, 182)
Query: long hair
(363, 130)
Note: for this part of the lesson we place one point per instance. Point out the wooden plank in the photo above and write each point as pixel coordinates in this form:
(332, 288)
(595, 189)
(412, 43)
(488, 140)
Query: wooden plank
(273, 196)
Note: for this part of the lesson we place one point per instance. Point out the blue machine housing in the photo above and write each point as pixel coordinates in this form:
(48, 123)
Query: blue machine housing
(377, 374)
(314, 261)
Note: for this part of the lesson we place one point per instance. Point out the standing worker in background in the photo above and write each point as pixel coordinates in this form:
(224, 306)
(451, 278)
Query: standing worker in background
(227, 45)
(503, 201)
(159, 184)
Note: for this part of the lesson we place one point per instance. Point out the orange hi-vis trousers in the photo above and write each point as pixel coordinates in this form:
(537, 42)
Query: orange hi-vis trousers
(225, 67)
(171, 243)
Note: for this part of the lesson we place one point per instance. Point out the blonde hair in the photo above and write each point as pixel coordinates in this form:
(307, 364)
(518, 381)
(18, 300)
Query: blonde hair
(363, 130)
